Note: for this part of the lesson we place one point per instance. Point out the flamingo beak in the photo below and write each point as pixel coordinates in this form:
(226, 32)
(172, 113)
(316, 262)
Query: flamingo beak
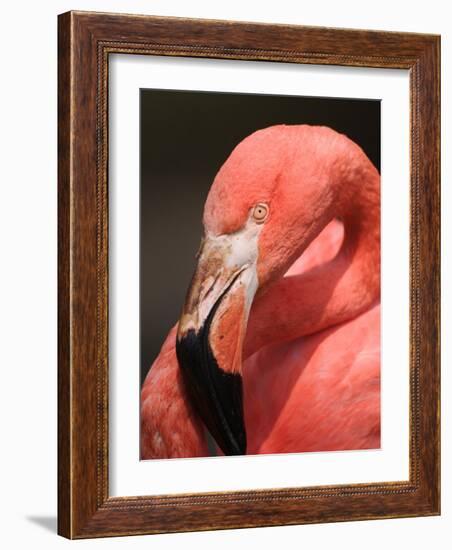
(210, 337)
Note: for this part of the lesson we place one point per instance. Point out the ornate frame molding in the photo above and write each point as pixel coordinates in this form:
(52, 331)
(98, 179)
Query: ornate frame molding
(85, 42)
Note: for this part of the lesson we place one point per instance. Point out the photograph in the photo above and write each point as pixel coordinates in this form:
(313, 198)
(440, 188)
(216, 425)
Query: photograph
(259, 274)
(224, 236)
(248, 274)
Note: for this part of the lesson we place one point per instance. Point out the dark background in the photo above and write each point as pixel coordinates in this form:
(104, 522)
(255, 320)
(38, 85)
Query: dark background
(185, 137)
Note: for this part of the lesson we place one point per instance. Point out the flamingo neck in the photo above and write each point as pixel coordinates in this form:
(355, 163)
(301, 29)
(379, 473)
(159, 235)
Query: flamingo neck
(336, 291)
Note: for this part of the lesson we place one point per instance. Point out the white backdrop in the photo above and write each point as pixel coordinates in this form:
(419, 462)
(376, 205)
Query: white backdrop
(28, 274)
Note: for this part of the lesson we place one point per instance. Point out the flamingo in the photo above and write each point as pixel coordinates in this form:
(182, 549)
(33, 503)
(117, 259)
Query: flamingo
(277, 349)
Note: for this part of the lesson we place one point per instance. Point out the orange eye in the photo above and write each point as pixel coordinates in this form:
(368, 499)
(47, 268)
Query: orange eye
(260, 212)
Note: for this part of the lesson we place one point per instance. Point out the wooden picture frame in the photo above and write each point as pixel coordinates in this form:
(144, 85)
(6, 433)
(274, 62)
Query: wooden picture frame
(85, 42)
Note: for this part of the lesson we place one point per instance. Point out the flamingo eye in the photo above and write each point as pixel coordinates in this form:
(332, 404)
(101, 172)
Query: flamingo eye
(260, 212)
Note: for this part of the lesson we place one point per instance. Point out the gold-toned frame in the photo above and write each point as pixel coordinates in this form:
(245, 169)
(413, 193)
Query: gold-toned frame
(86, 40)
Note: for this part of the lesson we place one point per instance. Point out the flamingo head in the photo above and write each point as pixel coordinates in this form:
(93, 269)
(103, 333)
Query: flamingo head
(267, 202)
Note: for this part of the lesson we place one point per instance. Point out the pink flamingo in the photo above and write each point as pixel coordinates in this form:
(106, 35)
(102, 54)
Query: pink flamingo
(286, 298)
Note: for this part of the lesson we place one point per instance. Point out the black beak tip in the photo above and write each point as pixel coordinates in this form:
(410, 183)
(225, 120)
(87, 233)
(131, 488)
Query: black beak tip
(216, 395)
(238, 446)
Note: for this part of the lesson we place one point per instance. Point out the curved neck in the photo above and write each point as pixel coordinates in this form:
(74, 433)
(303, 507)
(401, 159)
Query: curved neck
(336, 291)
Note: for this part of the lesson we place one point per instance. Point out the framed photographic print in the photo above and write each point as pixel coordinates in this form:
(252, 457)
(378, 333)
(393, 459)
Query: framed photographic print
(248, 275)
